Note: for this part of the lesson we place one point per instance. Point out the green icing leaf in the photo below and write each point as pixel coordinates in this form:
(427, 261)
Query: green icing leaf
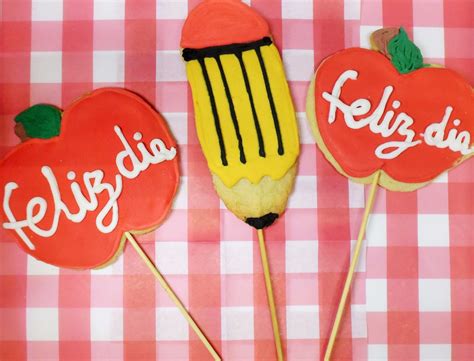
(40, 121)
(406, 56)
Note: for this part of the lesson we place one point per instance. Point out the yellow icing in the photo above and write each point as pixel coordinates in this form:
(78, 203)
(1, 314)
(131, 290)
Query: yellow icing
(256, 167)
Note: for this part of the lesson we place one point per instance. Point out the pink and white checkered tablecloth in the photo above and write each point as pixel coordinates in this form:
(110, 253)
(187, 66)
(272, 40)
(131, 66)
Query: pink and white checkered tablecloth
(413, 298)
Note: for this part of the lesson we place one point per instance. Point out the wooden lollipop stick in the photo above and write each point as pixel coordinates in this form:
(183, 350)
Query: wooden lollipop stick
(350, 274)
(172, 295)
(271, 300)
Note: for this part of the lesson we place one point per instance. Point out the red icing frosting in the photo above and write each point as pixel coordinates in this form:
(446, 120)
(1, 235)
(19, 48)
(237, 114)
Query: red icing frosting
(423, 95)
(89, 142)
(222, 22)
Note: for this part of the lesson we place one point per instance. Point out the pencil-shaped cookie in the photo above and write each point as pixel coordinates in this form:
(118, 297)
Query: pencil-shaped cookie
(244, 113)
(244, 116)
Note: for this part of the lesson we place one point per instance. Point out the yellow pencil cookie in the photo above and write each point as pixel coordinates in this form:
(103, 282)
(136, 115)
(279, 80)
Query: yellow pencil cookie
(244, 114)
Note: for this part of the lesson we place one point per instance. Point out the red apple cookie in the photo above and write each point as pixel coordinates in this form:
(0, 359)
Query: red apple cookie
(113, 168)
(372, 111)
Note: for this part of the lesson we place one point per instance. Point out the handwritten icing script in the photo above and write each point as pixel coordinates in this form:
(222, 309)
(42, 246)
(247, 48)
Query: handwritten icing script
(380, 122)
(93, 183)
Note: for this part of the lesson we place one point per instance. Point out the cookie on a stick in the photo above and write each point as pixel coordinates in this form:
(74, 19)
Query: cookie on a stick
(84, 180)
(244, 115)
(384, 117)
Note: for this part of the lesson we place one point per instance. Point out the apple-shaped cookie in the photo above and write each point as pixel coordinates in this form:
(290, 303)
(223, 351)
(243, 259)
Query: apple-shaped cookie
(113, 168)
(371, 111)
(384, 117)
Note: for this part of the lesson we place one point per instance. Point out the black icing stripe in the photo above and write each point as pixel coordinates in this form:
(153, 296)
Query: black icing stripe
(237, 49)
(261, 144)
(270, 100)
(213, 51)
(214, 111)
(232, 110)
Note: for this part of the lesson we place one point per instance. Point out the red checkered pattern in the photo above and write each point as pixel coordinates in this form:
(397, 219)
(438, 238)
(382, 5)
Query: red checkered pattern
(413, 298)
(420, 278)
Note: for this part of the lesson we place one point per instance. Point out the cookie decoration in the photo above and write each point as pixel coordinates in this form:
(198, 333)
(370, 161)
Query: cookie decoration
(244, 115)
(69, 195)
(385, 117)
(27, 125)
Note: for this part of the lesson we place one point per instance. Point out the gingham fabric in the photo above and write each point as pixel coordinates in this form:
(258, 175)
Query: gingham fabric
(413, 297)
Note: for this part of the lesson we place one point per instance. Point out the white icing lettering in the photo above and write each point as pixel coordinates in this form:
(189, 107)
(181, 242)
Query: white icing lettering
(158, 154)
(457, 142)
(94, 185)
(380, 122)
(9, 188)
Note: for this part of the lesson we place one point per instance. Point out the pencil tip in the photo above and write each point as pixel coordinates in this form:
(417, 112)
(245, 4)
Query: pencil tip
(263, 221)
